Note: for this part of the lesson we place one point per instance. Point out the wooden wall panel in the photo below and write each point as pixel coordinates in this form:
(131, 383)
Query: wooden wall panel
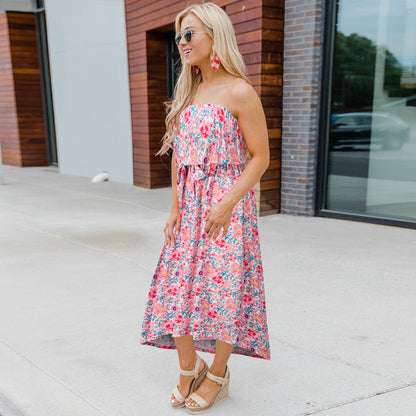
(9, 129)
(22, 127)
(271, 95)
(259, 30)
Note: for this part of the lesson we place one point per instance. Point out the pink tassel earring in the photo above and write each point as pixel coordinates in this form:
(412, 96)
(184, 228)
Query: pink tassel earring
(196, 70)
(215, 61)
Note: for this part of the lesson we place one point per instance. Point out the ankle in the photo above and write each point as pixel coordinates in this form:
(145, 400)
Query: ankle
(188, 363)
(218, 370)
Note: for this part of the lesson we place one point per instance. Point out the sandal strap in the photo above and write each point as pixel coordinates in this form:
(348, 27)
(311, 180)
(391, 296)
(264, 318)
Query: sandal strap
(199, 400)
(195, 371)
(219, 380)
(178, 395)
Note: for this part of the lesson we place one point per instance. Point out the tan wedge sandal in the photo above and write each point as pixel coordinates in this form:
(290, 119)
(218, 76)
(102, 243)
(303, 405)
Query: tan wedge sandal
(196, 382)
(204, 406)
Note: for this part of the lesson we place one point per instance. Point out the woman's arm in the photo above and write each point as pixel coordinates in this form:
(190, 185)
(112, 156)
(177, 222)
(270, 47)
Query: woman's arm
(174, 219)
(253, 125)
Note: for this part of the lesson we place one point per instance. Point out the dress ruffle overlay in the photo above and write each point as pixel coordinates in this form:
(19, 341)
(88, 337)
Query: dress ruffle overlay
(212, 290)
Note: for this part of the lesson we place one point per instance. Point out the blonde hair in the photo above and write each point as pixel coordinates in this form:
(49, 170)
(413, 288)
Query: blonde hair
(219, 28)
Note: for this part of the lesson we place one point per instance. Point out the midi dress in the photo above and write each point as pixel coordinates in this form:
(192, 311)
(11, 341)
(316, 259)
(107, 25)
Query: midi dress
(210, 289)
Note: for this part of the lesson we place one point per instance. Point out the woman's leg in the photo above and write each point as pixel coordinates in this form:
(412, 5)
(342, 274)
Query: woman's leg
(187, 360)
(209, 389)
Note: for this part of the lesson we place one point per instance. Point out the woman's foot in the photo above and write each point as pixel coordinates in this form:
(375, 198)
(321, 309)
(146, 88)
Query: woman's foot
(208, 390)
(186, 381)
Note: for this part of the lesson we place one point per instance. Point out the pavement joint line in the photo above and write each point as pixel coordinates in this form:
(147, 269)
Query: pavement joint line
(53, 186)
(8, 208)
(357, 399)
(72, 390)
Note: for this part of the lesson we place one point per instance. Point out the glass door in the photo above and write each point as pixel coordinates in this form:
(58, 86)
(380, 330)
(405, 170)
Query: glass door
(46, 82)
(370, 153)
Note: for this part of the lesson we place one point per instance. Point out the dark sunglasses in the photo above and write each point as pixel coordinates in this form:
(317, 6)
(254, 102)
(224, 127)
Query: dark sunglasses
(187, 35)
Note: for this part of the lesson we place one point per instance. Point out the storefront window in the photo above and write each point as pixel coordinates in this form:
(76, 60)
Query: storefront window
(371, 148)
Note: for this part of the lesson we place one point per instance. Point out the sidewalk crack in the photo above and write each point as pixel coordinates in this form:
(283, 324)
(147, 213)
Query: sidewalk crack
(73, 391)
(357, 399)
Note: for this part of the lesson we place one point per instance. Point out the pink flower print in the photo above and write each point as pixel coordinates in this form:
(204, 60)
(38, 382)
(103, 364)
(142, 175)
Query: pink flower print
(220, 115)
(227, 295)
(172, 291)
(213, 314)
(205, 304)
(163, 273)
(217, 279)
(186, 116)
(193, 156)
(251, 333)
(258, 318)
(169, 326)
(209, 268)
(256, 282)
(202, 255)
(247, 298)
(220, 243)
(186, 233)
(260, 269)
(204, 131)
(235, 268)
(225, 336)
(238, 232)
(152, 293)
(176, 256)
(158, 308)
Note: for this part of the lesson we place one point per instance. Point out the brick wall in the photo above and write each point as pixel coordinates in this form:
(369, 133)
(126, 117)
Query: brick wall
(303, 30)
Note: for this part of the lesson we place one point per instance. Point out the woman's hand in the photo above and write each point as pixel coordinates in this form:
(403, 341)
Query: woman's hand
(172, 227)
(219, 216)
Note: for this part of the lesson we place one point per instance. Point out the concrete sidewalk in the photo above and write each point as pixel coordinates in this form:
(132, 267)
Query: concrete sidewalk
(76, 261)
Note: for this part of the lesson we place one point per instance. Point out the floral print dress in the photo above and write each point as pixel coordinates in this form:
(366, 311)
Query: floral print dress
(210, 289)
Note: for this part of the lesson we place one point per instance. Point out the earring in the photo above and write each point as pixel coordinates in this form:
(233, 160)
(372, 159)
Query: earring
(215, 61)
(196, 70)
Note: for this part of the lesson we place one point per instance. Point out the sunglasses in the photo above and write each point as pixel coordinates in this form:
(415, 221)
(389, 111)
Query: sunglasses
(187, 35)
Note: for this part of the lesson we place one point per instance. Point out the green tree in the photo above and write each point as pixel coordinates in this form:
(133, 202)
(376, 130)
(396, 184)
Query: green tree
(353, 74)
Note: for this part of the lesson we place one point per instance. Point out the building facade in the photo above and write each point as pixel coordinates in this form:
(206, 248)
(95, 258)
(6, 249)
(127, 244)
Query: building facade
(338, 87)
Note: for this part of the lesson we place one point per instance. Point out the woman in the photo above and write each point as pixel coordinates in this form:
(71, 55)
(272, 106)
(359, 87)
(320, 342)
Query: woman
(207, 292)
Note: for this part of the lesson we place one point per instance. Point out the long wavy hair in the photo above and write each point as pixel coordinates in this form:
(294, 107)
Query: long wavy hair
(219, 28)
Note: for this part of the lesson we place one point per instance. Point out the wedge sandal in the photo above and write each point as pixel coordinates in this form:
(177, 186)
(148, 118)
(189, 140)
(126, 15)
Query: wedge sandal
(203, 405)
(196, 382)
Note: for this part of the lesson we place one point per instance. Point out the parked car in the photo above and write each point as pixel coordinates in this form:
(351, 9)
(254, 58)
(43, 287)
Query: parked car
(358, 129)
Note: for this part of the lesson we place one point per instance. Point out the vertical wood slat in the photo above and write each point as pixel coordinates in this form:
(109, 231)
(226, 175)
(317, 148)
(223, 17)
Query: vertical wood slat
(22, 125)
(262, 49)
(9, 129)
(271, 95)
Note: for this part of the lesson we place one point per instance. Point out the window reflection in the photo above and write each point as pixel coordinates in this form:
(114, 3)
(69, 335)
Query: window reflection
(372, 138)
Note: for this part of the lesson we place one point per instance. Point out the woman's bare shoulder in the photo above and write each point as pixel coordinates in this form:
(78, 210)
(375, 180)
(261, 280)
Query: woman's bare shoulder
(243, 95)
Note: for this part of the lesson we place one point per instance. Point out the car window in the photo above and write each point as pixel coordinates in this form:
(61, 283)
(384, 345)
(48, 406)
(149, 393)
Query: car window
(364, 119)
(345, 121)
